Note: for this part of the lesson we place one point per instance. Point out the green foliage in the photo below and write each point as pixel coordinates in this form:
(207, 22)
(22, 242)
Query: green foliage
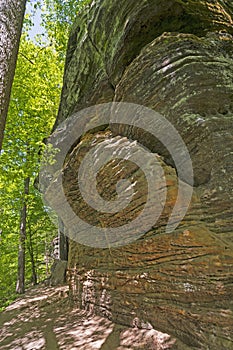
(33, 108)
(58, 16)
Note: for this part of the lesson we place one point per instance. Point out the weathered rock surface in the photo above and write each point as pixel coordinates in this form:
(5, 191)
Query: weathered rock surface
(58, 273)
(175, 57)
(108, 36)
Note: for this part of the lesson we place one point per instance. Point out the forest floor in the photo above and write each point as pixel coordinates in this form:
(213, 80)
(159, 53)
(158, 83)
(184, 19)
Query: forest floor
(44, 319)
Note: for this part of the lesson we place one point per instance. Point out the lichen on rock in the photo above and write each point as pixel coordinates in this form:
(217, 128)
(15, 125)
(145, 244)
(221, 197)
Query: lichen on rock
(174, 57)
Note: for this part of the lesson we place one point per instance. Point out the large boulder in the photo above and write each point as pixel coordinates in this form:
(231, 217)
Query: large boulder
(175, 57)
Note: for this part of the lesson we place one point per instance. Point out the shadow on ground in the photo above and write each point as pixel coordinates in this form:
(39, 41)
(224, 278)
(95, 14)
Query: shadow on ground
(44, 319)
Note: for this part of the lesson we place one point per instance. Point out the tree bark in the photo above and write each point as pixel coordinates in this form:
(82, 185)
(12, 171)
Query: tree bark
(11, 22)
(63, 242)
(20, 287)
(32, 259)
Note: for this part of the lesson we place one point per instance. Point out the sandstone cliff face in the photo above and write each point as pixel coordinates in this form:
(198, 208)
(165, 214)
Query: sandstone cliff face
(175, 57)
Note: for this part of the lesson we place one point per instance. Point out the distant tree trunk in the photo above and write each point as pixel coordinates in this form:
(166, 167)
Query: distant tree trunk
(47, 259)
(11, 21)
(32, 259)
(20, 287)
(63, 241)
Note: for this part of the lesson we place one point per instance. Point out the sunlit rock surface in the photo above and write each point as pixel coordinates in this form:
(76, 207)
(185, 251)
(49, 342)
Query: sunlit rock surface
(175, 57)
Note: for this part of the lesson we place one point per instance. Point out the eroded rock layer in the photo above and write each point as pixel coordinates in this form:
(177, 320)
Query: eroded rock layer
(175, 57)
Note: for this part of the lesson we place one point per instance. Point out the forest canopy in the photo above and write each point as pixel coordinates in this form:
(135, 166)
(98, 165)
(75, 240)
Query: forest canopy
(32, 111)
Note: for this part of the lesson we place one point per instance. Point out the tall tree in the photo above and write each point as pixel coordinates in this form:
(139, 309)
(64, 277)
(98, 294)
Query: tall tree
(20, 287)
(33, 107)
(11, 21)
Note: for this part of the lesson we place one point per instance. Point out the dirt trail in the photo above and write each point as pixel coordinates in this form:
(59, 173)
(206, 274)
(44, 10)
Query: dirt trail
(44, 319)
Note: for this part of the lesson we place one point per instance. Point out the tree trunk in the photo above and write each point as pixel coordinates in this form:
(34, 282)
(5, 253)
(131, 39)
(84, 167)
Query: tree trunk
(11, 21)
(63, 242)
(20, 287)
(32, 259)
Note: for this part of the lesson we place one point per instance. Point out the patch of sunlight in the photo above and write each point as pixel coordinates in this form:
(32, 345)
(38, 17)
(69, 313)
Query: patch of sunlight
(24, 302)
(32, 340)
